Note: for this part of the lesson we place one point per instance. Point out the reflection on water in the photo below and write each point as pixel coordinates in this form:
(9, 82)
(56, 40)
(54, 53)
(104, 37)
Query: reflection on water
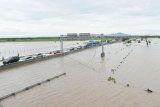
(86, 83)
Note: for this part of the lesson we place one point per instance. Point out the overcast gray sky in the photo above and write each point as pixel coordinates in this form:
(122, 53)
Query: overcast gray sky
(21, 18)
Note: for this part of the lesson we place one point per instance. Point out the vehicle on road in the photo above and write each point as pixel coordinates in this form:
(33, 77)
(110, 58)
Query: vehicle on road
(46, 54)
(57, 52)
(11, 60)
(25, 58)
(39, 55)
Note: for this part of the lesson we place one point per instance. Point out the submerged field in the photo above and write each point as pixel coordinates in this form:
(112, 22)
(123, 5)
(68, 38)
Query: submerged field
(86, 83)
(45, 39)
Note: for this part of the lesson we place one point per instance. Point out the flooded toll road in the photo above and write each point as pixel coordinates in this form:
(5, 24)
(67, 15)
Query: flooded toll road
(8, 49)
(86, 83)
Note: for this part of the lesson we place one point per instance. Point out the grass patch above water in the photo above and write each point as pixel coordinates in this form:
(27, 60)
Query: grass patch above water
(112, 79)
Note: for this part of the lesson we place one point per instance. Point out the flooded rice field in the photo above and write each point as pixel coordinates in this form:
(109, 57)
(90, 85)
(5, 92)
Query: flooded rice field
(134, 68)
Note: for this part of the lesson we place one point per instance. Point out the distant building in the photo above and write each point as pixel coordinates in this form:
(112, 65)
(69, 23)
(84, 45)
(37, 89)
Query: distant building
(96, 35)
(72, 36)
(84, 36)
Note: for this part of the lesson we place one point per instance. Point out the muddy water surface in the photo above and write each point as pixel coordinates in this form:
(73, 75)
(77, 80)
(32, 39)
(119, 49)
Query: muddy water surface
(86, 83)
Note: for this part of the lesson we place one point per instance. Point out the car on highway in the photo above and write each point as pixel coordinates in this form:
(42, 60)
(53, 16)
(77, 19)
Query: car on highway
(56, 52)
(25, 58)
(39, 55)
(11, 60)
(46, 54)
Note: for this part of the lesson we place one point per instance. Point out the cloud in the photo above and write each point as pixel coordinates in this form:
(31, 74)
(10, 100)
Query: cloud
(21, 18)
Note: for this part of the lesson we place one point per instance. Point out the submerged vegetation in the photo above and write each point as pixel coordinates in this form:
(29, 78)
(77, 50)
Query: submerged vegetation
(38, 39)
(111, 79)
(28, 39)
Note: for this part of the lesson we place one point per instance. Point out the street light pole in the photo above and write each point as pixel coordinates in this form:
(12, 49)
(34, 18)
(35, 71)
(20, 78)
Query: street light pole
(61, 44)
(102, 54)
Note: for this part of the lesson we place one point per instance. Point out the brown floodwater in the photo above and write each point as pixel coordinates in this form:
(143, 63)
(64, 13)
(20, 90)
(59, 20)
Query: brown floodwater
(86, 83)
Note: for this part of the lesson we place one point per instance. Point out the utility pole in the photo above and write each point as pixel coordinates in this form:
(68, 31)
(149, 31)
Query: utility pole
(2, 58)
(102, 54)
(61, 39)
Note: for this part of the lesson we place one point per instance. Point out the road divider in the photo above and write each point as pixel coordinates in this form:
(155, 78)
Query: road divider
(30, 87)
